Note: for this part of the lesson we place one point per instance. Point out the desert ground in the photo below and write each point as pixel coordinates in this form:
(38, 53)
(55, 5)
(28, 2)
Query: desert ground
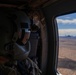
(67, 56)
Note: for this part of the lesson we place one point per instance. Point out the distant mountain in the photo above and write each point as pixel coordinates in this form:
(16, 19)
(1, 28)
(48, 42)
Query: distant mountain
(67, 36)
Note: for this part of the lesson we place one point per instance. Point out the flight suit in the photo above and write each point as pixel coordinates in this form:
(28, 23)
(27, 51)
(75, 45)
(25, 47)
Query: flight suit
(24, 67)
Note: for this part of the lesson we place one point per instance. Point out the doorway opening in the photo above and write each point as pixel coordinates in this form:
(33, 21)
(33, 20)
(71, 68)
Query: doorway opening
(67, 44)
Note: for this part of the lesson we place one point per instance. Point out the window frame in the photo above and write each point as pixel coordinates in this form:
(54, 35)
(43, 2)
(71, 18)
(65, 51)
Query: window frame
(51, 12)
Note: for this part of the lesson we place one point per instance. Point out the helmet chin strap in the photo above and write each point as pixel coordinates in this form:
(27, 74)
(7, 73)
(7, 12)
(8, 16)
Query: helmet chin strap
(15, 37)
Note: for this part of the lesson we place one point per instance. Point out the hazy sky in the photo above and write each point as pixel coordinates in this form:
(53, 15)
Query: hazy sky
(67, 24)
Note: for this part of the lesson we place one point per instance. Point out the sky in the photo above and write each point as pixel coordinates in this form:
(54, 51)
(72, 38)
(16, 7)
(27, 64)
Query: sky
(67, 24)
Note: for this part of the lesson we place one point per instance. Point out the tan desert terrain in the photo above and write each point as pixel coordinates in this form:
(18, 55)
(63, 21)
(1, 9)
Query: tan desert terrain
(67, 56)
